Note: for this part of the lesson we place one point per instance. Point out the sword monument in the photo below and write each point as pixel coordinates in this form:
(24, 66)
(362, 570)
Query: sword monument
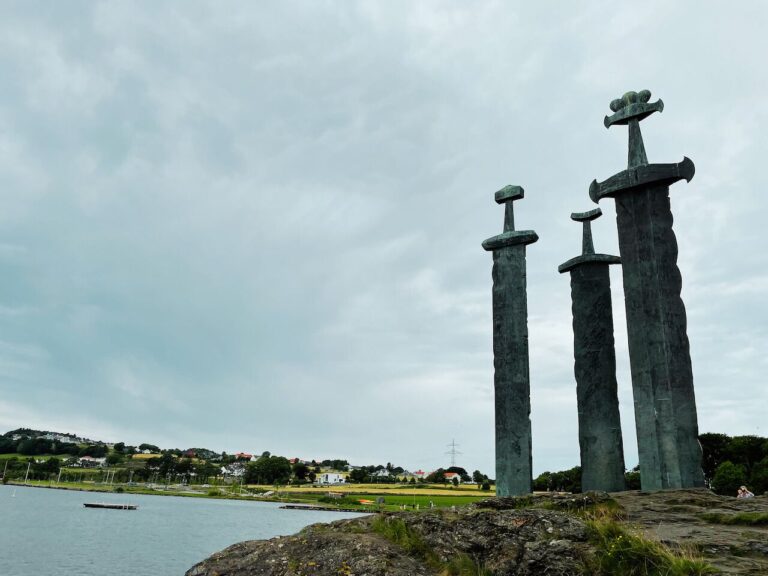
(660, 360)
(510, 351)
(600, 441)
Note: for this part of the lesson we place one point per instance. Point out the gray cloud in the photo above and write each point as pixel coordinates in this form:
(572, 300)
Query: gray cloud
(257, 226)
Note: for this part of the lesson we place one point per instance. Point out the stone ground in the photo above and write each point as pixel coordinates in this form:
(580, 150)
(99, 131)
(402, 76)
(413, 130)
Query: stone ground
(673, 516)
(502, 537)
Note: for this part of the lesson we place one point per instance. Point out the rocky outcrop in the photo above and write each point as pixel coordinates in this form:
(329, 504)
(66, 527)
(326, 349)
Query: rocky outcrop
(535, 535)
(500, 540)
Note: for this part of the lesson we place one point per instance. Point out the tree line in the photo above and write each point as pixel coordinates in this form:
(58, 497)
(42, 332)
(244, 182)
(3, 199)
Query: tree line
(728, 462)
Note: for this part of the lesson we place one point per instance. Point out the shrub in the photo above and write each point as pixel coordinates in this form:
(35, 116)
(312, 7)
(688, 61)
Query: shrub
(728, 477)
(758, 482)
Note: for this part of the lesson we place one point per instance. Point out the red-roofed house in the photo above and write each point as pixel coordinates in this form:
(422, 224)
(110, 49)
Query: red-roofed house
(449, 476)
(244, 456)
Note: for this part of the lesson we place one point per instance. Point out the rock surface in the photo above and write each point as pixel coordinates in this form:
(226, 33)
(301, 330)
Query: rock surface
(675, 518)
(500, 537)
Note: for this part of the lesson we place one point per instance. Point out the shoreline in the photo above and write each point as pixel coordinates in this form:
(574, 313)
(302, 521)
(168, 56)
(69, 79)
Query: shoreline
(286, 502)
(150, 492)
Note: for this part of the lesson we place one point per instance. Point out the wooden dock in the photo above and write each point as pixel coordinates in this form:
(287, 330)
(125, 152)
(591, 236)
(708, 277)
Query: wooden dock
(110, 506)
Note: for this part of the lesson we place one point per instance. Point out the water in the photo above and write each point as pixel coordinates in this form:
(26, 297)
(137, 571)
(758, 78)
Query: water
(49, 532)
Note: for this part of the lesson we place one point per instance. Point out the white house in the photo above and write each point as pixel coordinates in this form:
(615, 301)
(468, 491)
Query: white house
(451, 476)
(330, 478)
(90, 461)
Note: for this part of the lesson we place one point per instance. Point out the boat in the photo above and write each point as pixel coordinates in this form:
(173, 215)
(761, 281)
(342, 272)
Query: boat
(110, 506)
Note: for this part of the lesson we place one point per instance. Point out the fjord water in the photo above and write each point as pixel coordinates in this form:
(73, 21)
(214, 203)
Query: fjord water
(49, 532)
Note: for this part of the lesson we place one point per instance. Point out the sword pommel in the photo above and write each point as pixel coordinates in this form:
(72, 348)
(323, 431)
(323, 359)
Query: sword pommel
(509, 194)
(632, 106)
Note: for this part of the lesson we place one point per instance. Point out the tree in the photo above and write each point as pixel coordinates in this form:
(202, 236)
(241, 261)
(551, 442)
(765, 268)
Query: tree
(455, 481)
(119, 447)
(543, 482)
(437, 477)
(359, 476)
(151, 447)
(7, 446)
(44, 469)
(204, 470)
(268, 470)
(300, 470)
(461, 472)
(714, 449)
(184, 467)
(114, 458)
(167, 464)
(758, 481)
(632, 478)
(747, 450)
(94, 450)
(728, 477)
(567, 480)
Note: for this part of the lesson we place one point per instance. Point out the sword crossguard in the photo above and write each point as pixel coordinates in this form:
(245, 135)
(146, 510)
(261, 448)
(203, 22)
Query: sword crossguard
(587, 216)
(632, 106)
(587, 246)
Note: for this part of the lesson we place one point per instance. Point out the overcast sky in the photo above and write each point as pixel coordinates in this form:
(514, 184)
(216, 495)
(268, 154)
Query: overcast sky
(257, 225)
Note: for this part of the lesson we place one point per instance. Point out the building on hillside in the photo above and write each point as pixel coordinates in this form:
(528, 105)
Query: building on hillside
(244, 456)
(330, 478)
(236, 470)
(419, 474)
(450, 476)
(91, 462)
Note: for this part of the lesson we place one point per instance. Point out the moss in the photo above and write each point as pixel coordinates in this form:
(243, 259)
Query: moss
(743, 518)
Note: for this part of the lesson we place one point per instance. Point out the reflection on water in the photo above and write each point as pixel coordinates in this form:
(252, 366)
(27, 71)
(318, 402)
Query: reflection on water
(50, 533)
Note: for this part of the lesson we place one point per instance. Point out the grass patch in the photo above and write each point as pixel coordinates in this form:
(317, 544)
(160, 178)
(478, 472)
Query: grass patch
(622, 552)
(397, 532)
(464, 565)
(392, 502)
(606, 511)
(742, 518)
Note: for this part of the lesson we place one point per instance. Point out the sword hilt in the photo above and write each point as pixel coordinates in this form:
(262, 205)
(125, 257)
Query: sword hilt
(507, 196)
(510, 237)
(587, 246)
(630, 109)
